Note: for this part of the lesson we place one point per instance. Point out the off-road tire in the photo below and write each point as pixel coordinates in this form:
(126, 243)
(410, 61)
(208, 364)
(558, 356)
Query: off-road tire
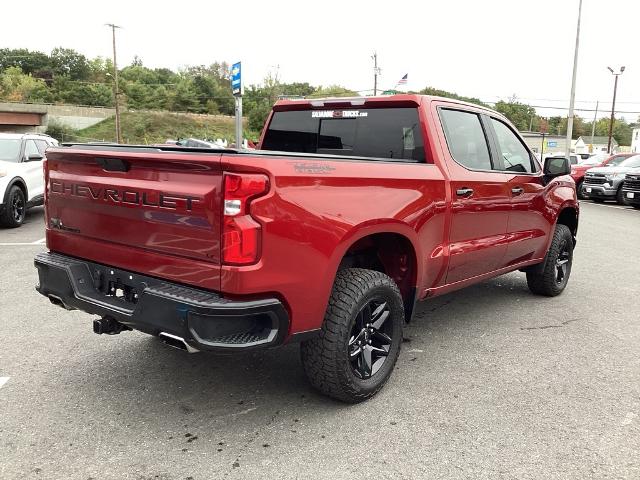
(543, 279)
(326, 358)
(579, 192)
(8, 217)
(620, 197)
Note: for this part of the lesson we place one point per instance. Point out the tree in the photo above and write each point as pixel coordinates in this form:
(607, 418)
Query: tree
(16, 86)
(68, 62)
(520, 114)
(443, 93)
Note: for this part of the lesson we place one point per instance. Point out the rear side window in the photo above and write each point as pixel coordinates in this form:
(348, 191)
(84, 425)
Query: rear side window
(466, 139)
(30, 149)
(382, 133)
(515, 157)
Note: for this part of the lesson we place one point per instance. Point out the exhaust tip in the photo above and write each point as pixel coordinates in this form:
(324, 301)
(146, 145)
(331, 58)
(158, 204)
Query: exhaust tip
(176, 342)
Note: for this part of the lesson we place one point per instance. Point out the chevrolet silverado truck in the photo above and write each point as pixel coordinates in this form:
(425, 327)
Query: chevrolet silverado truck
(351, 211)
(605, 183)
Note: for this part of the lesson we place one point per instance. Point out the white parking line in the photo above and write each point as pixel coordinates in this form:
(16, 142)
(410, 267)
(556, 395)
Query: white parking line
(19, 244)
(618, 207)
(42, 240)
(3, 380)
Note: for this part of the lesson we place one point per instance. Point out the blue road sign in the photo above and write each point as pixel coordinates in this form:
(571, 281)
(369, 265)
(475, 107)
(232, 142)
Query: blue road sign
(236, 79)
(551, 143)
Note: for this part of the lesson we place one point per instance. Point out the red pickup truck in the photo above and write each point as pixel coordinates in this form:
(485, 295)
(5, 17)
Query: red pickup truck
(351, 211)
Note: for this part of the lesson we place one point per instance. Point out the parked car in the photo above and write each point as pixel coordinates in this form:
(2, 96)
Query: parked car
(575, 159)
(354, 210)
(21, 180)
(631, 189)
(597, 160)
(605, 183)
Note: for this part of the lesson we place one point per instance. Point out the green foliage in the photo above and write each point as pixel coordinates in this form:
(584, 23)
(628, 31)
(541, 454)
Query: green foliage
(66, 76)
(62, 133)
(16, 86)
(157, 127)
(443, 93)
(519, 114)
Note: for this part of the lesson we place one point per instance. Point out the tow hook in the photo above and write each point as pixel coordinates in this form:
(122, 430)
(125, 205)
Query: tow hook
(108, 326)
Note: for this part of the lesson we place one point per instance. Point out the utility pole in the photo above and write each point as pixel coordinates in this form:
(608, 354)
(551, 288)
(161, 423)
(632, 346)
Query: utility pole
(116, 90)
(376, 72)
(573, 85)
(613, 104)
(593, 125)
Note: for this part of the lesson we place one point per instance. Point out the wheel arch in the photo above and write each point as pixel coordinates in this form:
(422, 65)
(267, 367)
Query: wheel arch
(569, 215)
(16, 181)
(390, 248)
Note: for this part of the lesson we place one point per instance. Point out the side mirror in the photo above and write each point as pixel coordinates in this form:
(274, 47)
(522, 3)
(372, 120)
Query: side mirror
(34, 157)
(556, 167)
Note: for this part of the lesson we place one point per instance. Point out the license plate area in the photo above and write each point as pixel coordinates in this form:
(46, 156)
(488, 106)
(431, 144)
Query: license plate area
(630, 194)
(117, 285)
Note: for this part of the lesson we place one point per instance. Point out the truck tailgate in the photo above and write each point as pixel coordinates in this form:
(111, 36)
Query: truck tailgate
(148, 211)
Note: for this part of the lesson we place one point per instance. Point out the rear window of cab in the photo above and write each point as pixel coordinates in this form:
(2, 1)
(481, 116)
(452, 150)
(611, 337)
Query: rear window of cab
(379, 134)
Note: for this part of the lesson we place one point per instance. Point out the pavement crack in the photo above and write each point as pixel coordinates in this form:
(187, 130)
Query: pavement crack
(544, 327)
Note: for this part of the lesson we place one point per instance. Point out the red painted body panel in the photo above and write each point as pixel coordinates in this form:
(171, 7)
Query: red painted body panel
(310, 217)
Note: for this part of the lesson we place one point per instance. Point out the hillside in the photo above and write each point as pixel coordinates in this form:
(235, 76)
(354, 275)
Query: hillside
(157, 127)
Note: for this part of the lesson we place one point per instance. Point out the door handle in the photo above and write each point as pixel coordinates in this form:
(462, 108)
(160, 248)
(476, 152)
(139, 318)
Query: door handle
(517, 191)
(464, 192)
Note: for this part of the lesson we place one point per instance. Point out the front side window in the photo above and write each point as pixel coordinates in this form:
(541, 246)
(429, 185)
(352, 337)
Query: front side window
(514, 155)
(383, 133)
(466, 139)
(10, 149)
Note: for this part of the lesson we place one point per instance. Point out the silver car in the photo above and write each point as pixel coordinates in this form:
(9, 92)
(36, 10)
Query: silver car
(605, 183)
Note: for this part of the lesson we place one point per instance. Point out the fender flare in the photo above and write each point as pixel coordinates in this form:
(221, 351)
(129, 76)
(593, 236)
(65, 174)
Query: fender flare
(14, 181)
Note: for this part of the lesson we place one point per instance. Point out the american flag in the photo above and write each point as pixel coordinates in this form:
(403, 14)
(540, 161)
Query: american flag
(403, 80)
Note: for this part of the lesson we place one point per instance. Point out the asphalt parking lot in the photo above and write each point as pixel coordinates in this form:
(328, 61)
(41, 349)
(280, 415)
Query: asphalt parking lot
(492, 382)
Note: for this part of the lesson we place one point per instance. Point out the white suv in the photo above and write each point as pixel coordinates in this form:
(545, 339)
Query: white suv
(21, 179)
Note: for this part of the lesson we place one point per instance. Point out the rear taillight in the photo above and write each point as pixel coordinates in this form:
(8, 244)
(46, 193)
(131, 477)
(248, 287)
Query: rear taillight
(241, 234)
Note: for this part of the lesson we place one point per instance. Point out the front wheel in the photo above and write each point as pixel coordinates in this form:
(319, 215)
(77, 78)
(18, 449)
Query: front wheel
(579, 191)
(551, 278)
(360, 338)
(15, 208)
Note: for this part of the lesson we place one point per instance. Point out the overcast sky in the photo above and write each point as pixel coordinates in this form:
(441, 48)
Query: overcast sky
(489, 49)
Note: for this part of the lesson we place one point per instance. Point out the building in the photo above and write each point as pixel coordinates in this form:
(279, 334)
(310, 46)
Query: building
(550, 143)
(635, 141)
(584, 144)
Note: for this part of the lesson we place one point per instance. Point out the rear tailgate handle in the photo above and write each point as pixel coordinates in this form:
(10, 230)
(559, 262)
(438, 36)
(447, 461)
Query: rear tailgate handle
(517, 191)
(113, 164)
(464, 192)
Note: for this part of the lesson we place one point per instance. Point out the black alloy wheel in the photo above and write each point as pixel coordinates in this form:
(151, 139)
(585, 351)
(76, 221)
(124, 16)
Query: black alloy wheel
(18, 208)
(371, 339)
(562, 261)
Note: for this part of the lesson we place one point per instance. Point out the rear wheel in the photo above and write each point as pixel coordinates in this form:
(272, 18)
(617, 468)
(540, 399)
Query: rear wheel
(15, 208)
(360, 338)
(551, 278)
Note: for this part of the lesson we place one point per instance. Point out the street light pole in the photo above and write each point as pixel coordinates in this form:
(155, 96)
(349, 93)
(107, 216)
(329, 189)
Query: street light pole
(573, 85)
(613, 104)
(115, 83)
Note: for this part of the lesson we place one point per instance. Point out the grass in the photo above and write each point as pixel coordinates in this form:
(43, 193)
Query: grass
(157, 127)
